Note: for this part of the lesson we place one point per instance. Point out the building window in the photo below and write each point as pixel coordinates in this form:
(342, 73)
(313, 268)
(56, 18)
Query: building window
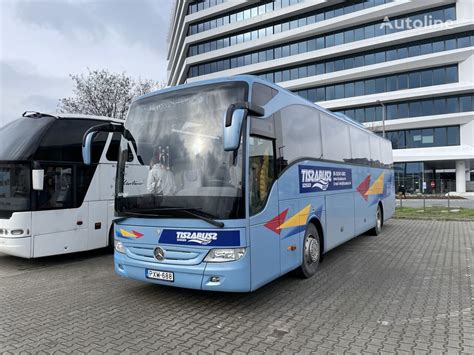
(199, 5)
(413, 108)
(386, 54)
(253, 10)
(331, 39)
(411, 80)
(424, 138)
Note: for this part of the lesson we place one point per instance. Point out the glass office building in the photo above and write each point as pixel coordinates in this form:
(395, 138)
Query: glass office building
(410, 62)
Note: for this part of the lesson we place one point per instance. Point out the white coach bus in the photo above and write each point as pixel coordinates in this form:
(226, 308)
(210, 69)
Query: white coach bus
(50, 201)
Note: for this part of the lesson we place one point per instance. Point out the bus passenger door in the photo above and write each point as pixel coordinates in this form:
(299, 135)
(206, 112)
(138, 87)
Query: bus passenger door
(58, 227)
(107, 194)
(263, 209)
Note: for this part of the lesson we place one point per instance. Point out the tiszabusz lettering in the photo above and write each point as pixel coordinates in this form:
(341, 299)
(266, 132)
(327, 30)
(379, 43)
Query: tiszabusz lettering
(316, 178)
(202, 238)
(323, 178)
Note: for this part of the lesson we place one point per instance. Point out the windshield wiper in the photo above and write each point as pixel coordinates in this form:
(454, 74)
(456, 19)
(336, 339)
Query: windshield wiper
(127, 214)
(195, 212)
(202, 215)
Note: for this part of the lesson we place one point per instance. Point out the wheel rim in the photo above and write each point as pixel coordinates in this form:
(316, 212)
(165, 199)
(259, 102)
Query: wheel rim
(379, 219)
(312, 249)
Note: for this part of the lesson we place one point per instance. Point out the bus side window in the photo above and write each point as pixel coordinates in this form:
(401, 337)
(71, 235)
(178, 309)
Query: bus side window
(262, 172)
(64, 140)
(57, 191)
(114, 146)
(98, 147)
(114, 149)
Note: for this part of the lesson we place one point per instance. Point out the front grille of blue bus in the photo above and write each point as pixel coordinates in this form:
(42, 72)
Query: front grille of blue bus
(172, 255)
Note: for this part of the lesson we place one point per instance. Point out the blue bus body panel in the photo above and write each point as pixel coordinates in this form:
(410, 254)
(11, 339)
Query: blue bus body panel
(345, 207)
(186, 242)
(265, 245)
(341, 198)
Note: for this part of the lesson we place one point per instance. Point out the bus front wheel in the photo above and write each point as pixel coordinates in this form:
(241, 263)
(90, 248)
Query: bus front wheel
(311, 252)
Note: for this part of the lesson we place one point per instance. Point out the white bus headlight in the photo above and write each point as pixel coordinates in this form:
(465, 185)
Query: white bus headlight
(223, 255)
(119, 247)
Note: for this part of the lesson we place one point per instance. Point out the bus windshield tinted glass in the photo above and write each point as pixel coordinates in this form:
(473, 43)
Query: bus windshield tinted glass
(20, 138)
(14, 187)
(182, 162)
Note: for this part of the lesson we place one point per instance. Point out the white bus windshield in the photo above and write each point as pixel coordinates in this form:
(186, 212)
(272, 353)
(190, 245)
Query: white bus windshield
(183, 164)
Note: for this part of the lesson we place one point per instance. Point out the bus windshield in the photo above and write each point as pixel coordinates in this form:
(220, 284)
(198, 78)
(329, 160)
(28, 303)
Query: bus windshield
(14, 187)
(20, 138)
(182, 162)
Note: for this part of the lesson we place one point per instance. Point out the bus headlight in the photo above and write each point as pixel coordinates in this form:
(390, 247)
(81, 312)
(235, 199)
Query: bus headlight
(223, 255)
(119, 247)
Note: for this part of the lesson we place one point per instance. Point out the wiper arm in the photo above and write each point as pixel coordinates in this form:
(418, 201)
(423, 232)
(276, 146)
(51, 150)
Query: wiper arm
(127, 214)
(195, 212)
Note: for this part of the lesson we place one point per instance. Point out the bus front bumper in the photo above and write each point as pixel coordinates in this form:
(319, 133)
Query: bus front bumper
(16, 246)
(231, 276)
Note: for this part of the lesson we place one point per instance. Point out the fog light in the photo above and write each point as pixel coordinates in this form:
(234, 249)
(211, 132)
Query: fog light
(215, 279)
(119, 247)
(17, 232)
(224, 255)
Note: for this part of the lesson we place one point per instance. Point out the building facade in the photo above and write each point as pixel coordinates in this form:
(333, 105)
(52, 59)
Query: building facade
(403, 68)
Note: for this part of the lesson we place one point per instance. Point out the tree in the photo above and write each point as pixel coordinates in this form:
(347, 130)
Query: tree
(103, 93)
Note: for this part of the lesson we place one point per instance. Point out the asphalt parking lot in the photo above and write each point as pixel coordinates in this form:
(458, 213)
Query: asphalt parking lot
(408, 290)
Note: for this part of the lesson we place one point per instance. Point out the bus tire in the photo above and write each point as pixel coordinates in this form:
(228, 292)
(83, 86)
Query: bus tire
(111, 239)
(378, 221)
(311, 252)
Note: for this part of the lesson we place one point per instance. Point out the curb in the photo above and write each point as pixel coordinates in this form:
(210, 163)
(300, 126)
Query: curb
(436, 219)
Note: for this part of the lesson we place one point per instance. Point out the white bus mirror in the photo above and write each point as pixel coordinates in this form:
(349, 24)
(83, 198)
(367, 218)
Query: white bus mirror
(37, 177)
(89, 137)
(86, 148)
(233, 131)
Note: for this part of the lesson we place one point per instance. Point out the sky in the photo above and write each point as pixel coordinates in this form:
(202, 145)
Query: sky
(44, 41)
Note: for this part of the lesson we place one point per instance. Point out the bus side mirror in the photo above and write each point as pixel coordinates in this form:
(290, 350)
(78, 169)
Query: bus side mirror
(37, 178)
(233, 129)
(233, 122)
(87, 147)
(89, 137)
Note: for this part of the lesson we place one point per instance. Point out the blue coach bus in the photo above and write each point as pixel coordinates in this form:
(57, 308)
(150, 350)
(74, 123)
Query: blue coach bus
(238, 182)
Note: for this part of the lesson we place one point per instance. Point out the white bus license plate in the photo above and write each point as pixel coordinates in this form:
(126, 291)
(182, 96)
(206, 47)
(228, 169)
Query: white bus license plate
(159, 275)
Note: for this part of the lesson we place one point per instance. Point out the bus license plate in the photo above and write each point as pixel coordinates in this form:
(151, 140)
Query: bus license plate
(159, 275)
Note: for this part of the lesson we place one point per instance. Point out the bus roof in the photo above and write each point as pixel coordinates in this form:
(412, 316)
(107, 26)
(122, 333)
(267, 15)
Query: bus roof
(62, 115)
(251, 79)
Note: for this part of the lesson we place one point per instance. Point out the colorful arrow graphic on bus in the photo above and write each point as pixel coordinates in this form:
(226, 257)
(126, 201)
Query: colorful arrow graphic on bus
(276, 222)
(297, 222)
(126, 234)
(377, 188)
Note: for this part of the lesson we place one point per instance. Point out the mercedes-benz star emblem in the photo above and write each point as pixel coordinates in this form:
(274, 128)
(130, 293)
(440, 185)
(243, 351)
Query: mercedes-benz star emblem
(159, 254)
